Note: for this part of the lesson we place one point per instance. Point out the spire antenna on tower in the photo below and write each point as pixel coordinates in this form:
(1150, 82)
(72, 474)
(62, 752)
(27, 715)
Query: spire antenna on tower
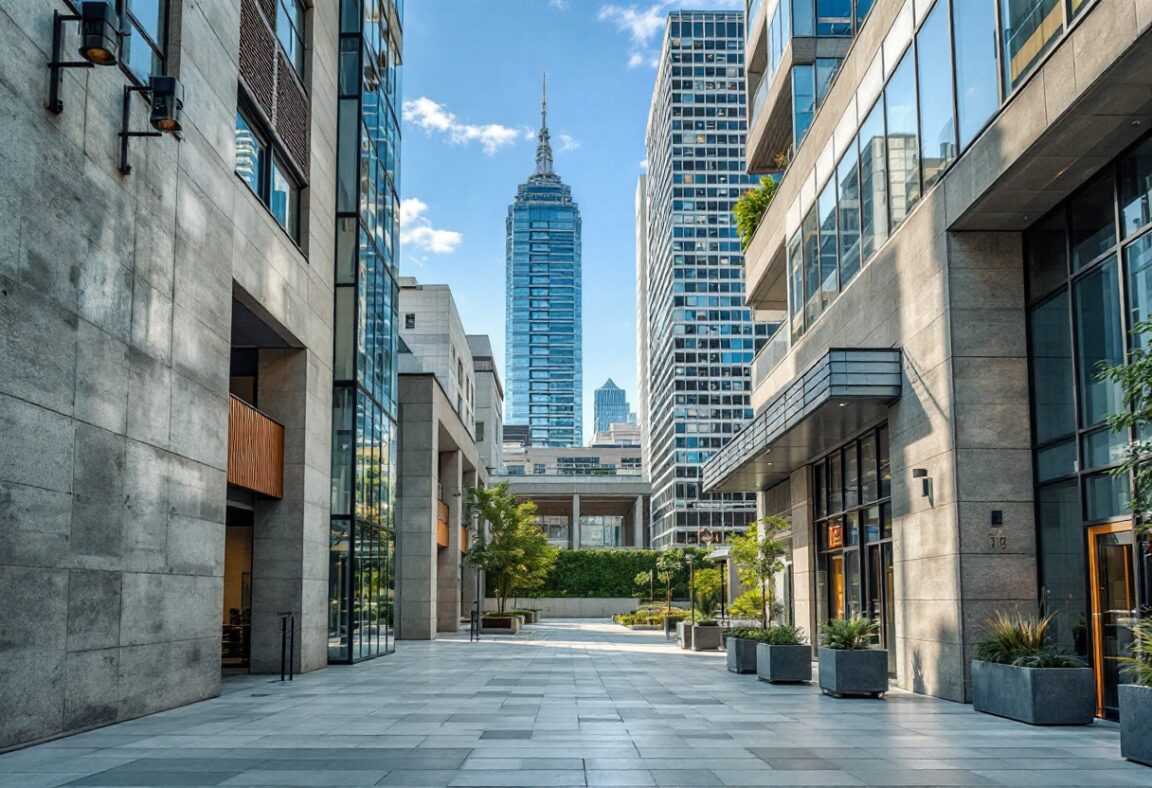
(544, 148)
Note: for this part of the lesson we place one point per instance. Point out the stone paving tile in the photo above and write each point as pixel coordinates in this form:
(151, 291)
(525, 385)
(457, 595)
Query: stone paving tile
(565, 703)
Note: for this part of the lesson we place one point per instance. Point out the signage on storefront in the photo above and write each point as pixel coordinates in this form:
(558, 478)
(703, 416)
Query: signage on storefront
(835, 535)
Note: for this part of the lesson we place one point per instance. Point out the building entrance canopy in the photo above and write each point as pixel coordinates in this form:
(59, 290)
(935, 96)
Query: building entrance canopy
(841, 394)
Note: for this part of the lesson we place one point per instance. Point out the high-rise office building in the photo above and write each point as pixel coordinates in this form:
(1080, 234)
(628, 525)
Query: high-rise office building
(610, 406)
(543, 326)
(700, 336)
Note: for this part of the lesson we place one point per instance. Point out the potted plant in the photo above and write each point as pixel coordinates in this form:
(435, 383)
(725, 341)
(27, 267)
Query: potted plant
(740, 644)
(1136, 698)
(848, 663)
(1017, 674)
(706, 635)
(782, 656)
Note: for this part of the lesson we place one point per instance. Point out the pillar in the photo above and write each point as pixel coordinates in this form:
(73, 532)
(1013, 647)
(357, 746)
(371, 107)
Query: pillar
(416, 514)
(638, 522)
(574, 531)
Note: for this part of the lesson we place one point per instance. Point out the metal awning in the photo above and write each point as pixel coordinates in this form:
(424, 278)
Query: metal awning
(843, 393)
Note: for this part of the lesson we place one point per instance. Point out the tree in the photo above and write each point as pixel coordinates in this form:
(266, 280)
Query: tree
(751, 207)
(644, 581)
(707, 586)
(758, 556)
(1135, 381)
(668, 566)
(515, 553)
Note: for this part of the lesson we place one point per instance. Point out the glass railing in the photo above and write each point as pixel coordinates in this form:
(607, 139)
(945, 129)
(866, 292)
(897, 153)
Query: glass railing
(759, 99)
(769, 356)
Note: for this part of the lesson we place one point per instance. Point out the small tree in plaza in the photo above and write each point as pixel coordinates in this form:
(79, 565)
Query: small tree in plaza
(514, 553)
(645, 581)
(1135, 381)
(707, 585)
(758, 556)
(668, 566)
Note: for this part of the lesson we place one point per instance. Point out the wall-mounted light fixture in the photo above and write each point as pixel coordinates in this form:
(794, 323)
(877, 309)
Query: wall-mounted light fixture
(100, 35)
(166, 98)
(925, 482)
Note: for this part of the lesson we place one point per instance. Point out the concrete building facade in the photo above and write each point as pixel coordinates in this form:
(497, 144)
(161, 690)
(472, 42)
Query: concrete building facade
(956, 244)
(166, 368)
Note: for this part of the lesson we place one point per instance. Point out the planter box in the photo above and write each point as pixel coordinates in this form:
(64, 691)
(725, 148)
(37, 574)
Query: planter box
(706, 638)
(684, 634)
(502, 625)
(863, 672)
(644, 627)
(1136, 723)
(782, 664)
(1037, 696)
(742, 655)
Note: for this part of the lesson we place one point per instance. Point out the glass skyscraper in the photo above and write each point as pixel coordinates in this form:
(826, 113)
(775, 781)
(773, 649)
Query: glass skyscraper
(700, 336)
(543, 320)
(362, 543)
(610, 406)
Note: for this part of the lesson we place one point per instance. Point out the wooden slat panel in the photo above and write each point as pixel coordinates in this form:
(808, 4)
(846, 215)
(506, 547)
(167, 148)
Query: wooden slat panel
(441, 524)
(255, 450)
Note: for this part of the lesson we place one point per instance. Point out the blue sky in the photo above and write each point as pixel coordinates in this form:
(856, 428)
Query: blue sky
(471, 89)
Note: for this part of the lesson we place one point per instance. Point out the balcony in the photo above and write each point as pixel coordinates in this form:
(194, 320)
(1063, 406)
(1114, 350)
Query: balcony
(769, 356)
(255, 450)
(441, 524)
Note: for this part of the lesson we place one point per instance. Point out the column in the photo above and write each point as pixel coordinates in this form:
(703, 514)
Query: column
(418, 467)
(467, 572)
(638, 522)
(574, 531)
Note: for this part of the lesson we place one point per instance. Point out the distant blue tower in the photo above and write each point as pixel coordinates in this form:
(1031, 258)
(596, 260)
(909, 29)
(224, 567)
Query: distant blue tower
(610, 406)
(543, 304)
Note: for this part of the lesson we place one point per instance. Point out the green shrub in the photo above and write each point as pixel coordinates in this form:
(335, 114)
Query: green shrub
(1022, 641)
(650, 617)
(779, 635)
(850, 634)
(751, 207)
(603, 573)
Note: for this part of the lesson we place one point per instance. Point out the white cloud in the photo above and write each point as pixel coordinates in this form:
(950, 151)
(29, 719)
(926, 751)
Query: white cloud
(416, 229)
(644, 165)
(644, 22)
(559, 5)
(567, 141)
(435, 117)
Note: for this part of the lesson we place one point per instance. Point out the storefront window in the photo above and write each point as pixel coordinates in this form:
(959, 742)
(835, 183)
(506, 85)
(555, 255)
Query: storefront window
(1052, 377)
(1136, 188)
(1093, 221)
(1099, 341)
(1062, 564)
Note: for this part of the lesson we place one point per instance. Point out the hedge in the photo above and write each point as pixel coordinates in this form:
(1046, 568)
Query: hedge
(604, 573)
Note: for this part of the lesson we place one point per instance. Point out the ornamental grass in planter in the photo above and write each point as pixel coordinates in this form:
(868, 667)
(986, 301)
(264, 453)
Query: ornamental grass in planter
(1136, 698)
(783, 656)
(740, 646)
(1018, 674)
(848, 663)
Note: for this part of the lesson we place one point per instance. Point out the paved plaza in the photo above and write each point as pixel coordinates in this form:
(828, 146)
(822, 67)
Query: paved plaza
(565, 703)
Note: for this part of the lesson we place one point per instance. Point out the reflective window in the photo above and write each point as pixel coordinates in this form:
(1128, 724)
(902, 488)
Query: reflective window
(1136, 188)
(833, 17)
(1103, 447)
(1029, 27)
(803, 101)
(284, 199)
(848, 224)
(1093, 220)
(810, 235)
(937, 124)
(290, 31)
(803, 17)
(873, 183)
(144, 45)
(903, 140)
(1052, 384)
(1056, 461)
(796, 285)
(1062, 566)
(249, 152)
(266, 175)
(1099, 341)
(1138, 265)
(828, 257)
(974, 33)
(1105, 496)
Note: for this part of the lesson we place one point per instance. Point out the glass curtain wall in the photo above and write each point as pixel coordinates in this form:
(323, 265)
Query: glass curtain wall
(362, 544)
(852, 499)
(1090, 283)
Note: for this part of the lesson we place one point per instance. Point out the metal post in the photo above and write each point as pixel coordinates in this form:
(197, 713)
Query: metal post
(283, 644)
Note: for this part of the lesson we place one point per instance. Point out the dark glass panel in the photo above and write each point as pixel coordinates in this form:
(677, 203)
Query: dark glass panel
(873, 183)
(1092, 216)
(1099, 341)
(1047, 251)
(868, 469)
(1055, 461)
(1052, 375)
(1138, 264)
(1103, 447)
(1106, 496)
(1136, 188)
(884, 462)
(1062, 565)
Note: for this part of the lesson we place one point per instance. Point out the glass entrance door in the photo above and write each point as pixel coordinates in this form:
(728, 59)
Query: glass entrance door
(1113, 588)
(837, 572)
(881, 595)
